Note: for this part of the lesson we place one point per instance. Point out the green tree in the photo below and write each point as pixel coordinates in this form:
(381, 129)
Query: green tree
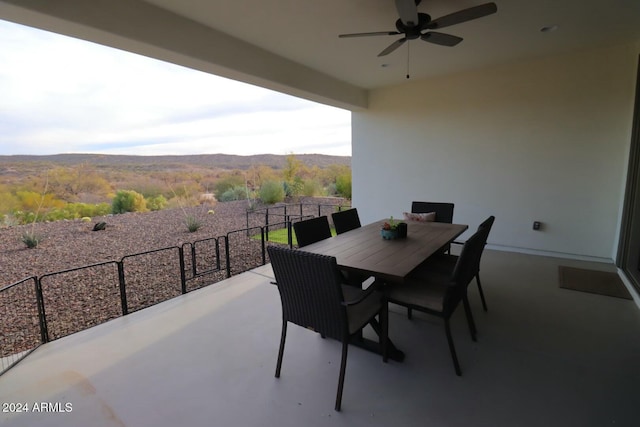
(259, 174)
(292, 168)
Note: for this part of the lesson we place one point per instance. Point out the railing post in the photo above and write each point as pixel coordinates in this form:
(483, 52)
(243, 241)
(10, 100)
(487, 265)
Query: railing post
(217, 254)
(264, 248)
(42, 317)
(194, 269)
(266, 222)
(183, 279)
(289, 234)
(123, 291)
(228, 257)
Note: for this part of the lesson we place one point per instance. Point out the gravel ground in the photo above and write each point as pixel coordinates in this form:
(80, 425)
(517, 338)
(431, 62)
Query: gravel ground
(77, 300)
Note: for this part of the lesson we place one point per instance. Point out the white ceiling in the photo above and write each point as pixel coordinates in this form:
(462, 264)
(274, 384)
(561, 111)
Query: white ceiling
(306, 32)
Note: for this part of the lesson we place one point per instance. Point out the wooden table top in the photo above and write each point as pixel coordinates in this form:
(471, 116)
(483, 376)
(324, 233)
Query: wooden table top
(365, 251)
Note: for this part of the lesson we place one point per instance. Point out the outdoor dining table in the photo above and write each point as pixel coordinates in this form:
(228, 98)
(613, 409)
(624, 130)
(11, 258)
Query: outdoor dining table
(365, 252)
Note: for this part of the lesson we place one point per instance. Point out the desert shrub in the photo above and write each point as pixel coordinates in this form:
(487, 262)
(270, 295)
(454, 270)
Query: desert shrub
(75, 210)
(312, 188)
(272, 192)
(81, 210)
(235, 193)
(156, 203)
(294, 187)
(69, 211)
(23, 217)
(54, 215)
(228, 196)
(193, 224)
(8, 220)
(99, 209)
(343, 185)
(8, 202)
(34, 206)
(227, 183)
(128, 201)
(31, 239)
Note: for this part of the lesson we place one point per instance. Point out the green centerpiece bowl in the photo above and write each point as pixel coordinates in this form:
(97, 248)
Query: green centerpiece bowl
(389, 234)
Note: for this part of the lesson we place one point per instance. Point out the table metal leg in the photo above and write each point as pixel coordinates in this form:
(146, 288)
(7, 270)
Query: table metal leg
(359, 341)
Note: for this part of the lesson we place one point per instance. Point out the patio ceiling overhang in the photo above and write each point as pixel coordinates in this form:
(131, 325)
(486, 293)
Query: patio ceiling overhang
(148, 30)
(293, 47)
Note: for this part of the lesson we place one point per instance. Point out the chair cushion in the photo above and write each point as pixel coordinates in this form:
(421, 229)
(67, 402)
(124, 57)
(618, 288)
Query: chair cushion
(419, 217)
(427, 296)
(360, 314)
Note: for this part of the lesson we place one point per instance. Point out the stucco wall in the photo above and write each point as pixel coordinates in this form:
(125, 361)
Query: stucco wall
(544, 140)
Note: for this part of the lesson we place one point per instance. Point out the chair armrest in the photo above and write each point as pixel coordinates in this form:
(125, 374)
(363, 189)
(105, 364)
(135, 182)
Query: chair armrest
(363, 295)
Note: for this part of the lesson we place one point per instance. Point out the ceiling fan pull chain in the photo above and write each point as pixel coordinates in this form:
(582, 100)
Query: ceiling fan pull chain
(408, 55)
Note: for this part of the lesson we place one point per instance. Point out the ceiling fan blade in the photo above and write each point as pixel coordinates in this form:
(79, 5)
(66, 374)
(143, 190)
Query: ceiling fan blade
(441, 38)
(463, 16)
(376, 33)
(393, 46)
(408, 12)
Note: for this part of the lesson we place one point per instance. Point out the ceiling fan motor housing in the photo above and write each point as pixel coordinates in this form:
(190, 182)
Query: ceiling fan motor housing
(413, 32)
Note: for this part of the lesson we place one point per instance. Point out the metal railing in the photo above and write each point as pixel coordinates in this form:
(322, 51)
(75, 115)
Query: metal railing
(24, 318)
(86, 296)
(286, 213)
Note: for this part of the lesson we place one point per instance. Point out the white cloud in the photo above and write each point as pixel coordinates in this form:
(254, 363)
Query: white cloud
(66, 95)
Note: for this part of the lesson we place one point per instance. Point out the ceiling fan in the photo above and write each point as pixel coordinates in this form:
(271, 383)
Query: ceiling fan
(416, 25)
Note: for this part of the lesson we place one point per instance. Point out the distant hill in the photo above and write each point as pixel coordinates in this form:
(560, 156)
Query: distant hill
(221, 161)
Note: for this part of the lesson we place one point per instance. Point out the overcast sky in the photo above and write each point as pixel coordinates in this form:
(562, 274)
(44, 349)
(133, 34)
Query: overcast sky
(63, 95)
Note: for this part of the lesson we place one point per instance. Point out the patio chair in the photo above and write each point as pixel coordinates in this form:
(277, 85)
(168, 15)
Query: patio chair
(312, 230)
(446, 262)
(444, 213)
(315, 229)
(439, 294)
(346, 220)
(312, 296)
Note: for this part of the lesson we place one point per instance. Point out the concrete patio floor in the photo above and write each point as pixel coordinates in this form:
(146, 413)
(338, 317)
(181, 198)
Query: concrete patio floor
(545, 356)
